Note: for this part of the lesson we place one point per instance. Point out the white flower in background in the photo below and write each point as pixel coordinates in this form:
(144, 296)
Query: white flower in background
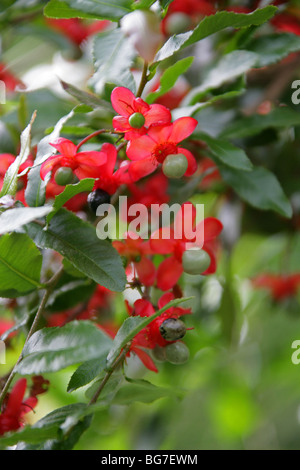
(143, 30)
(76, 73)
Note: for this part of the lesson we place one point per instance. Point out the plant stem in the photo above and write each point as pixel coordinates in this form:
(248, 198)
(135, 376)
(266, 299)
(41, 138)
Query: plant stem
(49, 286)
(109, 373)
(94, 134)
(143, 81)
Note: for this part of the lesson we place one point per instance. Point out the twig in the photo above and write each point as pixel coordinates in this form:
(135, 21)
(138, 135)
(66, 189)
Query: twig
(34, 327)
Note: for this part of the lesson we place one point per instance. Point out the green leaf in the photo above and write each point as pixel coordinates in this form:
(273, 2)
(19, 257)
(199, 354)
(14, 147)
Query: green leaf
(113, 58)
(10, 183)
(36, 187)
(210, 25)
(274, 47)
(20, 265)
(85, 97)
(112, 10)
(141, 391)
(53, 349)
(226, 153)
(87, 372)
(13, 219)
(230, 67)
(132, 326)
(169, 78)
(283, 117)
(71, 294)
(70, 191)
(259, 187)
(77, 241)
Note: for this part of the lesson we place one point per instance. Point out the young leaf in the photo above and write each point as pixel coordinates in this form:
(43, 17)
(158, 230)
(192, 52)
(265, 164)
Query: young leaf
(70, 191)
(169, 78)
(141, 391)
(230, 67)
(13, 219)
(112, 10)
(259, 187)
(11, 177)
(77, 241)
(53, 349)
(85, 97)
(246, 126)
(113, 58)
(87, 372)
(36, 187)
(210, 25)
(227, 153)
(20, 265)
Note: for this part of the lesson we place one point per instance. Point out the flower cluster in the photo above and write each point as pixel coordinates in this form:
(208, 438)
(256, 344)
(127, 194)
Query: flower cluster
(15, 407)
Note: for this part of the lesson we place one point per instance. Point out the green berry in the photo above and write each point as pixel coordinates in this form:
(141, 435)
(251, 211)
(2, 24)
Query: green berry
(63, 176)
(136, 120)
(96, 198)
(177, 23)
(175, 166)
(172, 329)
(177, 353)
(159, 354)
(195, 261)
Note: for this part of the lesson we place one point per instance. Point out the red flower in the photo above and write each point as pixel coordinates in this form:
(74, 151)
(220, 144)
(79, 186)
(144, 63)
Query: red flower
(108, 178)
(136, 252)
(170, 270)
(15, 408)
(153, 191)
(148, 151)
(150, 337)
(126, 104)
(83, 164)
(8, 78)
(6, 325)
(280, 286)
(75, 29)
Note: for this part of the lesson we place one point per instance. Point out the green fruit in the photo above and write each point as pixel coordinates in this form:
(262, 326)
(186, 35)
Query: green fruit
(195, 261)
(175, 166)
(177, 23)
(63, 176)
(136, 120)
(172, 329)
(159, 354)
(177, 353)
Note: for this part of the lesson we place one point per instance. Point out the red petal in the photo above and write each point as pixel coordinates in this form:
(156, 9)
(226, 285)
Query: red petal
(212, 228)
(161, 243)
(182, 128)
(165, 299)
(145, 358)
(16, 397)
(49, 164)
(140, 148)
(138, 170)
(65, 147)
(168, 273)
(120, 123)
(192, 162)
(146, 271)
(143, 308)
(122, 100)
(91, 158)
(157, 115)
